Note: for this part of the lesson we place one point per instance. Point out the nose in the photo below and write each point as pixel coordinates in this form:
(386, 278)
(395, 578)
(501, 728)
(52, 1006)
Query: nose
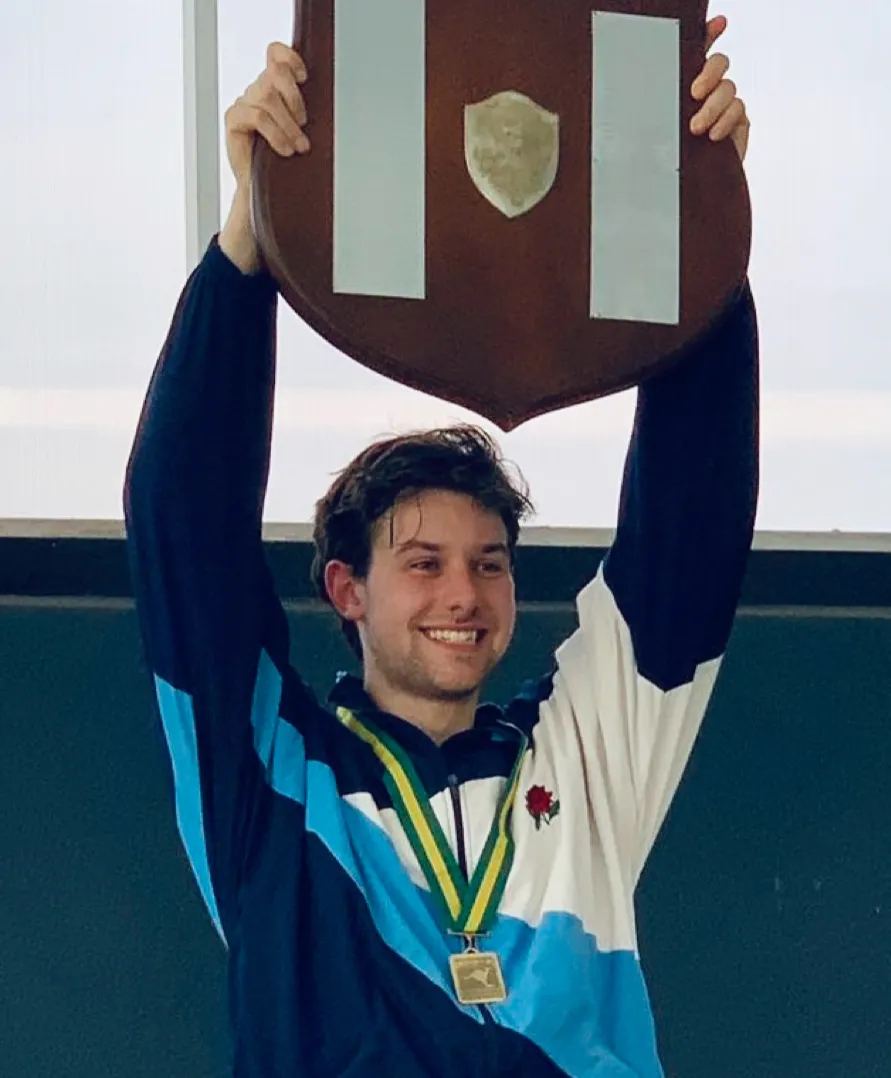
(460, 596)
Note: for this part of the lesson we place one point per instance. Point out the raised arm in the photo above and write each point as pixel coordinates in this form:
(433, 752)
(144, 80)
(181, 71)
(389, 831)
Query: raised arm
(688, 503)
(214, 633)
(633, 683)
(690, 487)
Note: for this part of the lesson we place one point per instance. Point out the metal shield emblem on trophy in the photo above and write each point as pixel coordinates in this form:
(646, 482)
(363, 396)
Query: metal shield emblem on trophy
(511, 146)
(503, 206)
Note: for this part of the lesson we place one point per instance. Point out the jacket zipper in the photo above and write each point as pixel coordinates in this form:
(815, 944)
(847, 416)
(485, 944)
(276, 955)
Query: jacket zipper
(455, 793)
(459, 825)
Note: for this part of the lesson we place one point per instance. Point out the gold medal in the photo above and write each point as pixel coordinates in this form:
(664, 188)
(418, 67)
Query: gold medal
(477, 977)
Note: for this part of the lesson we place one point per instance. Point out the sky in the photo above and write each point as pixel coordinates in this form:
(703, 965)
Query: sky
(92, 216)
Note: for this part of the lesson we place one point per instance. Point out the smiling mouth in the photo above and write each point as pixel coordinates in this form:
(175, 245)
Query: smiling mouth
(465, 637)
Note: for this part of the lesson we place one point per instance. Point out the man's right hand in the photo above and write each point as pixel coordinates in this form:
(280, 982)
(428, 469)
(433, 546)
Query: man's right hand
(273, 108)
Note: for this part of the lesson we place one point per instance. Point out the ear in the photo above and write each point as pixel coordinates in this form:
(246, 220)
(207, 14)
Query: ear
(346, 591)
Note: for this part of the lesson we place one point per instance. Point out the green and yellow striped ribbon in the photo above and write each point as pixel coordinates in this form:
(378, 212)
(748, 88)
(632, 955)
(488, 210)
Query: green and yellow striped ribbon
(468, 907)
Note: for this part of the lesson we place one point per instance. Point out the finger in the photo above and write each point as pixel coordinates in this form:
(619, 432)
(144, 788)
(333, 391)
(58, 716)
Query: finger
(266, 95)
(277, 53)
(282, 78)
(713, 30)
(726, 125)
(244, 118)
(247, 118)
(715, 106)
(740, 138)
(709, 79)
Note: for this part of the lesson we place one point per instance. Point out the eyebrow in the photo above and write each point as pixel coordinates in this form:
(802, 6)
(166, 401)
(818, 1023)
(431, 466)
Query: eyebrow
(436, 548)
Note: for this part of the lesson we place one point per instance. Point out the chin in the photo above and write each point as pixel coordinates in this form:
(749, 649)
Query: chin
(456, 688)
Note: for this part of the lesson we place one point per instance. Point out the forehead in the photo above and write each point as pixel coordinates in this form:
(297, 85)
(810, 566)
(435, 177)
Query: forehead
(439, 517)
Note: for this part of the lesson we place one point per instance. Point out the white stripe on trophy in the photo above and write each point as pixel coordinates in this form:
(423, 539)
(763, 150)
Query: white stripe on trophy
(635, 178)
(379, 148)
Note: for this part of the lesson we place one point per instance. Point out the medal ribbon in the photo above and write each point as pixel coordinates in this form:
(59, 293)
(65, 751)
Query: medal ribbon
(468, 907)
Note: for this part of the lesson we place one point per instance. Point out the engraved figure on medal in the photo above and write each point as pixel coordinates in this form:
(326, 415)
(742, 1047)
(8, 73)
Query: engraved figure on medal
(512, 150)
(478, 978)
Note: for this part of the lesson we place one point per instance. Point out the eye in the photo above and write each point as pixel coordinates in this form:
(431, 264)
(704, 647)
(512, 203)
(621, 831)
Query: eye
(492, 568)
(425, 565)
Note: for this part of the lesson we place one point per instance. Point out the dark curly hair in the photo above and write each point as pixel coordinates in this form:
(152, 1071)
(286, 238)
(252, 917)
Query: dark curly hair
(463, 459)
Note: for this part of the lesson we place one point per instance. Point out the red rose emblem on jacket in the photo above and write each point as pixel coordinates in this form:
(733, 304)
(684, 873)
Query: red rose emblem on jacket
(541, 805)
(538, 800)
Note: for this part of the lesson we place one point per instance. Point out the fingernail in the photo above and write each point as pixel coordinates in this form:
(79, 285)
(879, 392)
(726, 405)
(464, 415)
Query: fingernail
(303, 144)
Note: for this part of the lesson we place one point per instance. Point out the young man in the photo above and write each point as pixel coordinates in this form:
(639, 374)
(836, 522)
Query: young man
(407, 884)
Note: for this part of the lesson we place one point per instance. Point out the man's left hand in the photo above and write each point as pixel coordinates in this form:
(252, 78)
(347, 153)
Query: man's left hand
(723, 114)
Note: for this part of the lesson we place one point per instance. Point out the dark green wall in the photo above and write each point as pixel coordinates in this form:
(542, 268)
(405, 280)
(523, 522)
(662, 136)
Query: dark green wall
(764, 914)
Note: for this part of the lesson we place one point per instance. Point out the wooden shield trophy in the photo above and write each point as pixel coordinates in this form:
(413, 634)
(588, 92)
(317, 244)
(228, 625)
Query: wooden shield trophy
(503, 205)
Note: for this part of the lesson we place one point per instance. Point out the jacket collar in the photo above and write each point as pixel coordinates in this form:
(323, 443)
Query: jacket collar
(348, 691)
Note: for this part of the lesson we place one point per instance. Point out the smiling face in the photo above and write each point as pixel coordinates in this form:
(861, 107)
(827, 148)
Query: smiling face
(436, 610)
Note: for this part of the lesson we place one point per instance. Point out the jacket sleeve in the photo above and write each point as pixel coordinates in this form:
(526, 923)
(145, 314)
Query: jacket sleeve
(633, 683)
(214, 633)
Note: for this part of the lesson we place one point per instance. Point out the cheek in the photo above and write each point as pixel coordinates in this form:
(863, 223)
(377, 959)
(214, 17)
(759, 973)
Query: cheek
(504, 602)
(394, 604)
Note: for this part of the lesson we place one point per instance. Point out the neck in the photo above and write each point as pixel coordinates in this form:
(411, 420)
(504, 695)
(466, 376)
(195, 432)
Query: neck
(439, 719)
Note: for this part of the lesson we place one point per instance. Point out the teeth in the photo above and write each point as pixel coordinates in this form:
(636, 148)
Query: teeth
(453, 636)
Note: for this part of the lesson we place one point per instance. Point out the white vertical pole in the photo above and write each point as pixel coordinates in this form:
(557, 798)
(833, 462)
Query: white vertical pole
(202, 125)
